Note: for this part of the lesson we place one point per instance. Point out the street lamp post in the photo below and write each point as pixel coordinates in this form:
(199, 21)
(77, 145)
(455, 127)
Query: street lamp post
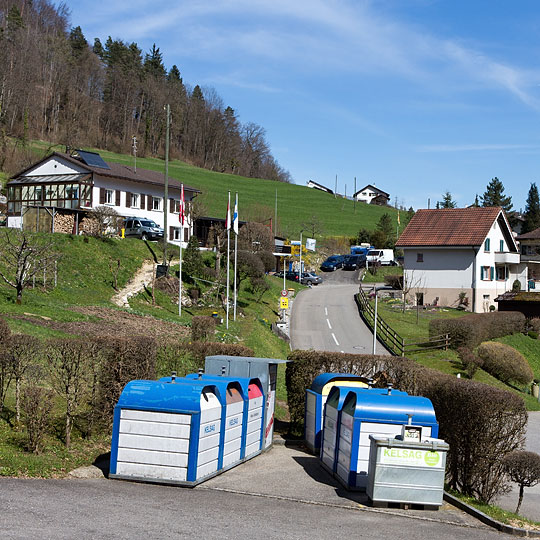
(300, 272)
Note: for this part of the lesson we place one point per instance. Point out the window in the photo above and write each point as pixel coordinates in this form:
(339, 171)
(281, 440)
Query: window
(501, 245)
(176, 209)
(156, 203)
(486, 244)
(109, 196)
(500, 273)
(135, 200)
(419, 257)
(419, 299)
(486, 273)
(177, 234)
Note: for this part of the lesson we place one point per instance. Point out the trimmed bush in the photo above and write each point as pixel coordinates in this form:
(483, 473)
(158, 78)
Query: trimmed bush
(505, 363)
(203, 328)
(535, 325)
(471, 330)
(481, 423)
(469, 361)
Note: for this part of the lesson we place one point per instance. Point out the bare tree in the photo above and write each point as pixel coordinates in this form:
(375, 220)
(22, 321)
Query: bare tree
(68, 362)
(22, 351)
(104, 220)
(23, 255)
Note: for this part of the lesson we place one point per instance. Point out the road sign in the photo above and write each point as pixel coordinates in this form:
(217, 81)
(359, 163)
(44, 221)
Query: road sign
(284, 292)
(284, 303)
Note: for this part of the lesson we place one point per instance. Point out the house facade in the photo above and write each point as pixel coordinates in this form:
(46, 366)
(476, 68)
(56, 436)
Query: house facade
(460, 255)
(72, 185)
(530, 254)
(372, 195)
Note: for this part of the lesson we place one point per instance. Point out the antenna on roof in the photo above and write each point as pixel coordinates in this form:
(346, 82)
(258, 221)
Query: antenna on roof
(134, 147)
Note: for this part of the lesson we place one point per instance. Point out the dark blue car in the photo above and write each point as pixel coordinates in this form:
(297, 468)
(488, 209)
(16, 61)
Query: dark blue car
(332, 263)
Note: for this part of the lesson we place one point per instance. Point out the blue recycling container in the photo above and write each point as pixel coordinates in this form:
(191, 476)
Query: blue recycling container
(252, 419)
(379, 414)
(331, 422)
(168, 432)
(316, 397)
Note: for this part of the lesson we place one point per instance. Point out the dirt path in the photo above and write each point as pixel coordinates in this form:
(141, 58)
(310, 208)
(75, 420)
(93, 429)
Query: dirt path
(135, 285)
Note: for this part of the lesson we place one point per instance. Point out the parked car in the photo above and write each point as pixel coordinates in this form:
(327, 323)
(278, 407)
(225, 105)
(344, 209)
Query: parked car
(332, 263)
(383, 256)
(309, 278)
(352, 262)
(143, 228)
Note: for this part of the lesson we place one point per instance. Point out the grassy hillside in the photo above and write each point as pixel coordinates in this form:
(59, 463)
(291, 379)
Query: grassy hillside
(297, 204)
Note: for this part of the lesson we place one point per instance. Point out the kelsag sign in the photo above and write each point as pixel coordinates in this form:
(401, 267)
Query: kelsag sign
(410, 457)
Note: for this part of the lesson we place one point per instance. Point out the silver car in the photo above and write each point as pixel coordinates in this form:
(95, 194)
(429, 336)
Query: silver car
(143, 228)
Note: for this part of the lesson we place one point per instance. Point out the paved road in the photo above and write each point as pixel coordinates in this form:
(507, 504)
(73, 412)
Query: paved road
(281, 494)
(326, 318)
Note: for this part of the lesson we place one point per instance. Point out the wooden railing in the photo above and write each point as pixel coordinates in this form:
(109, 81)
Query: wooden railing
(389, 337)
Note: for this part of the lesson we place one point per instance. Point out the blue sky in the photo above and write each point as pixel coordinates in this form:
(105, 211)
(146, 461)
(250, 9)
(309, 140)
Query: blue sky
(416, 96)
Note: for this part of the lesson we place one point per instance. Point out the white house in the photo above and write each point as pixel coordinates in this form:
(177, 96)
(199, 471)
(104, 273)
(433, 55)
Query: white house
(72, 184)
(318, 186)
(460, 251)
(372, 195)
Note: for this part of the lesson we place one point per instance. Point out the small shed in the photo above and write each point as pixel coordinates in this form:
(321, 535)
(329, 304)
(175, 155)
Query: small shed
(527, 303)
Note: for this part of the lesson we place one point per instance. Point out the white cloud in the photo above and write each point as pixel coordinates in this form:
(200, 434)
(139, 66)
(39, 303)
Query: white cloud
(475, 147)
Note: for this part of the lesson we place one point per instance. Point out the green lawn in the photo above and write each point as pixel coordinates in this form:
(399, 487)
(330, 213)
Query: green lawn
(296, 204)
(381, 272)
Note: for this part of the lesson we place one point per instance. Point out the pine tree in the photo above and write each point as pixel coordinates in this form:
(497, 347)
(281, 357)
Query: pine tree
(532, 210)
(476, 203)
(447, 201)
(78, 42)
(385, 224)
(153, 63)
(192, 263)
(494, 196)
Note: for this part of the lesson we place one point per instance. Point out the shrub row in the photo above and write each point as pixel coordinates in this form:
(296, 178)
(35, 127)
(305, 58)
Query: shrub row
(471, 330)
(481, 423)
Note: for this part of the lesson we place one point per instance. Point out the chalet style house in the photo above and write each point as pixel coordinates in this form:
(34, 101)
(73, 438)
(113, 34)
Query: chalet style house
(372, 195)
(58, 193)
(460, 252)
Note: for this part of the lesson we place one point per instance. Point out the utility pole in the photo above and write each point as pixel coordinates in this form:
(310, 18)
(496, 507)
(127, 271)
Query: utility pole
(354, 195)
(166, 194)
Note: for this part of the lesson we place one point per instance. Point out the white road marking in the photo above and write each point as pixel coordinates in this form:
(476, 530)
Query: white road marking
(329, 325)
(326, 311)
(334, 336)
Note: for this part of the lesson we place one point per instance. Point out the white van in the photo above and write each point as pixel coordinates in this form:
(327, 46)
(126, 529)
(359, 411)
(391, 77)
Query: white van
(383, 256)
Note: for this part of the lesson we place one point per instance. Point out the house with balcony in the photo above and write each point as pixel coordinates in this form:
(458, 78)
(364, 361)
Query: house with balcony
(58, 193)
(372, 195)
(464, 256)
(529, 244)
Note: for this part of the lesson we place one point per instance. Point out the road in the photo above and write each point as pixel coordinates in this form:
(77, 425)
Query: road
(66, 509)
(326, 318)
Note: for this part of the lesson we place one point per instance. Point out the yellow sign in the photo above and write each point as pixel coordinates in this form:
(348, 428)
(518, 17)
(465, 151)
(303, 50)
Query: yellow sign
(284, 303)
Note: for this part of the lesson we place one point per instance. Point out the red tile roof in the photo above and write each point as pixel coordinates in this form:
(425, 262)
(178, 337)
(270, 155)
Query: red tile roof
(449, 227)
(532, 235)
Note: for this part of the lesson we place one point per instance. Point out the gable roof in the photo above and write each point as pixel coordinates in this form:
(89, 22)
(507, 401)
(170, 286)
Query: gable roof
(454, 227)
(319, 186)
(374, 188)
(116, 170)
(531, 235)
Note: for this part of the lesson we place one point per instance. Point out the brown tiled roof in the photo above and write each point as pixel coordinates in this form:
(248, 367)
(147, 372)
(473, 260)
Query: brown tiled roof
(532, 235)
(449, 227)
(118, 170)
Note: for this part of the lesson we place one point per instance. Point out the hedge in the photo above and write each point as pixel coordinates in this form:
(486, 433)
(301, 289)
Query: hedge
(481, 423)
(505, 363)
(471, 330)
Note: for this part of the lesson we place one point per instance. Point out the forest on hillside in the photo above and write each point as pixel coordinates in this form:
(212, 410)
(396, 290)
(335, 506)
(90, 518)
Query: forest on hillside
(56, 86)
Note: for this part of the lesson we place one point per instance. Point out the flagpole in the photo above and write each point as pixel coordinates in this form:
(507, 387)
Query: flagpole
(181, 218)
(228, 255)
(235, 229)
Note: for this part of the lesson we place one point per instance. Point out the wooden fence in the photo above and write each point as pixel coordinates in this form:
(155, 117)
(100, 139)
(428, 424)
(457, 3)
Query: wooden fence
(389, 337)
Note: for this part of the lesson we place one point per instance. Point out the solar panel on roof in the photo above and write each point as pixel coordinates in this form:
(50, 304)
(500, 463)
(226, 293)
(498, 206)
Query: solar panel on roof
(93, 159)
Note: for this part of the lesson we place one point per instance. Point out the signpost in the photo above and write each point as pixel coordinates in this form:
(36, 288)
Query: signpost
(284, 302)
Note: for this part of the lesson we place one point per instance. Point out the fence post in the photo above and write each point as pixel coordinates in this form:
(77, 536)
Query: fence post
(446, 342)
(402, 347)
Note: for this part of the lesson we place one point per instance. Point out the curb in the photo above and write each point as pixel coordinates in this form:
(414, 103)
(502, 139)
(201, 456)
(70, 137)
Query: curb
(484, 518)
